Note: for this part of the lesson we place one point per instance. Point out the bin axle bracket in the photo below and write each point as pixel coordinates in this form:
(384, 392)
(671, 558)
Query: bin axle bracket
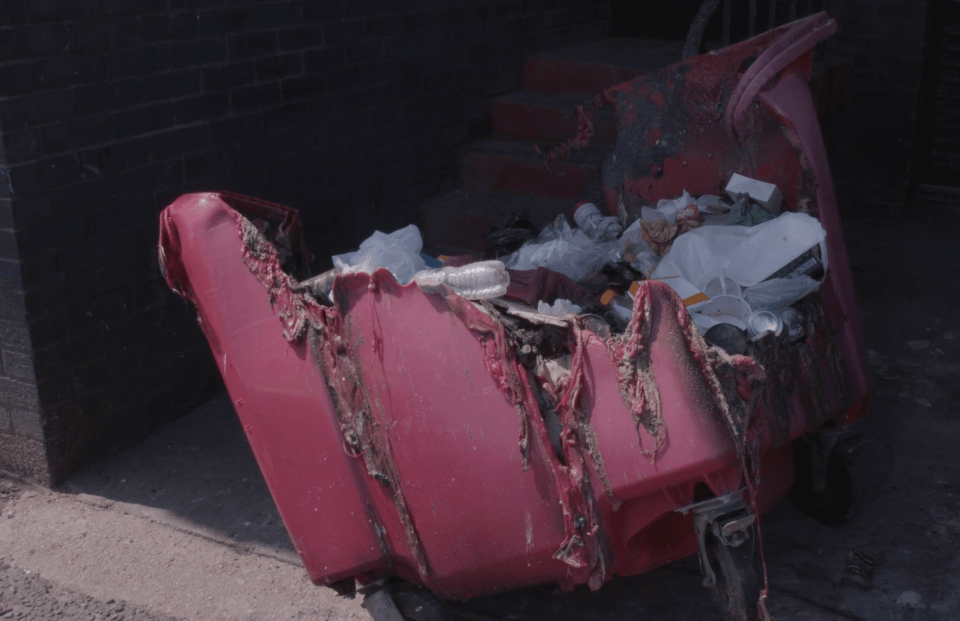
(727, 518)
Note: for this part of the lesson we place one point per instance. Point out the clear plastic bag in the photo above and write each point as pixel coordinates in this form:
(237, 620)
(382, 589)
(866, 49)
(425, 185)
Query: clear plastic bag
(565, 250)
(669, 208)
(778, 293)
(634, 247)
(399, 252)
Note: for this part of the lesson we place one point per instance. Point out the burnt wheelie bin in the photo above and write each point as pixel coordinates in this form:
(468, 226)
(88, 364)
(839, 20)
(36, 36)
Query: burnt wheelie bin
(409, 451)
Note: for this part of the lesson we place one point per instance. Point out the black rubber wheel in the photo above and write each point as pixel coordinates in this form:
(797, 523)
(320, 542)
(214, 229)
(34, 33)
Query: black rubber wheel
(418, 604)
(737, 591)
(835, 503)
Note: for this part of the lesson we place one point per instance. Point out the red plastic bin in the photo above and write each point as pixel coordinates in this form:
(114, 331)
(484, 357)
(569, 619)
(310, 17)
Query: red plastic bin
(399, 435)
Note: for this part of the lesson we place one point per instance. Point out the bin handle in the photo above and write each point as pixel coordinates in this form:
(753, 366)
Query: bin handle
(790, 46)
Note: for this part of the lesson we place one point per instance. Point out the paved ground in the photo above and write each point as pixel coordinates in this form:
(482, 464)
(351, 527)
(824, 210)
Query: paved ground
(182, 526)
(25, 595)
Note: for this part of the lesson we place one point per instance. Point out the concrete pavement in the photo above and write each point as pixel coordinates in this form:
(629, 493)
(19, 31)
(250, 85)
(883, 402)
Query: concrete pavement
(181, 526)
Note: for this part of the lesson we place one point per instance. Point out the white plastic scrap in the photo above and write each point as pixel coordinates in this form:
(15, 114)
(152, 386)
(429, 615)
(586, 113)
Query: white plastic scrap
(399, 252)
(559, 308)
(668, 208)
(709, 203)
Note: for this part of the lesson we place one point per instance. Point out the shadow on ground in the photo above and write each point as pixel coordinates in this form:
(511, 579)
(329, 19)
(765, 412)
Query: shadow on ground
(197, 473)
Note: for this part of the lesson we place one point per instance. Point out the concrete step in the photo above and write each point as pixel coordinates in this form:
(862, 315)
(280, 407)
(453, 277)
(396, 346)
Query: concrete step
(502, 166)
(590, 68)
(546, 116)
(455, 223)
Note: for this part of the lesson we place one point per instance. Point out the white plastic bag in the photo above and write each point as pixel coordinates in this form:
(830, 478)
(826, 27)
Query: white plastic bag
(778, 293)
(399, 252)
(563, 249)
(748, 255)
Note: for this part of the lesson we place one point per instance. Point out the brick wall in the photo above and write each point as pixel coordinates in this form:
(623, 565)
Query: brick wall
(871, 140)
(21, 434)
(347, 109)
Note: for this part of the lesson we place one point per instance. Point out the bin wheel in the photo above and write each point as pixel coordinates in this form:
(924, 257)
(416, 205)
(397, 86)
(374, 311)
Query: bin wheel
(835, 503)
(419, 604)
(402, 601)
(737, 591)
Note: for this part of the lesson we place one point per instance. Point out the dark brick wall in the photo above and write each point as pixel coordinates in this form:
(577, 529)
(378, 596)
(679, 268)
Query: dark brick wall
(347, 109)
(22, 445)
(871, 140)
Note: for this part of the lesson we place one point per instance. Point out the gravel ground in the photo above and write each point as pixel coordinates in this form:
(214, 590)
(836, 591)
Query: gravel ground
(114, 551)
(25, 596)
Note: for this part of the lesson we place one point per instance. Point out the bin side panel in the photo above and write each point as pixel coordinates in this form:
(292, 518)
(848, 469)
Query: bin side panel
(696, 439)
(706, 403)
(280, 399)
(696, 443)
(650, 533)
(671, 136)
(485, 521)
(790, 98)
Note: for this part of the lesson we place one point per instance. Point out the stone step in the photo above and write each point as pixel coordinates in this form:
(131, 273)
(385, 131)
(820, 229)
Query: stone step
(590, 68)
(503, 166)
(546, 116)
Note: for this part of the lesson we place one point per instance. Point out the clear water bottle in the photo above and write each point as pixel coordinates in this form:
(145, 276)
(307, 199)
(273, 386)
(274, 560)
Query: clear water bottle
(619, 307)
(476, 281)
(597, 226)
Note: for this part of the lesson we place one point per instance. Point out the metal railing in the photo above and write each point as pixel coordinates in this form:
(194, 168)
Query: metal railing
(778, 12)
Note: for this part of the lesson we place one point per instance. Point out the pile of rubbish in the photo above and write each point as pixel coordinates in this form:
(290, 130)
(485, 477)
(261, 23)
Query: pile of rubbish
(738, 263)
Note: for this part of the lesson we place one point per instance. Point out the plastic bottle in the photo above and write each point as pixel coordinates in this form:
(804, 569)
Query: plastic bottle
(620, 307)
(597, 226)
(476, 281)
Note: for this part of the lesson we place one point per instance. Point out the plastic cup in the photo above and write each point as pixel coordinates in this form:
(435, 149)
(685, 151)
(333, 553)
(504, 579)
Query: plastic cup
(726, 309)
(714, 285)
